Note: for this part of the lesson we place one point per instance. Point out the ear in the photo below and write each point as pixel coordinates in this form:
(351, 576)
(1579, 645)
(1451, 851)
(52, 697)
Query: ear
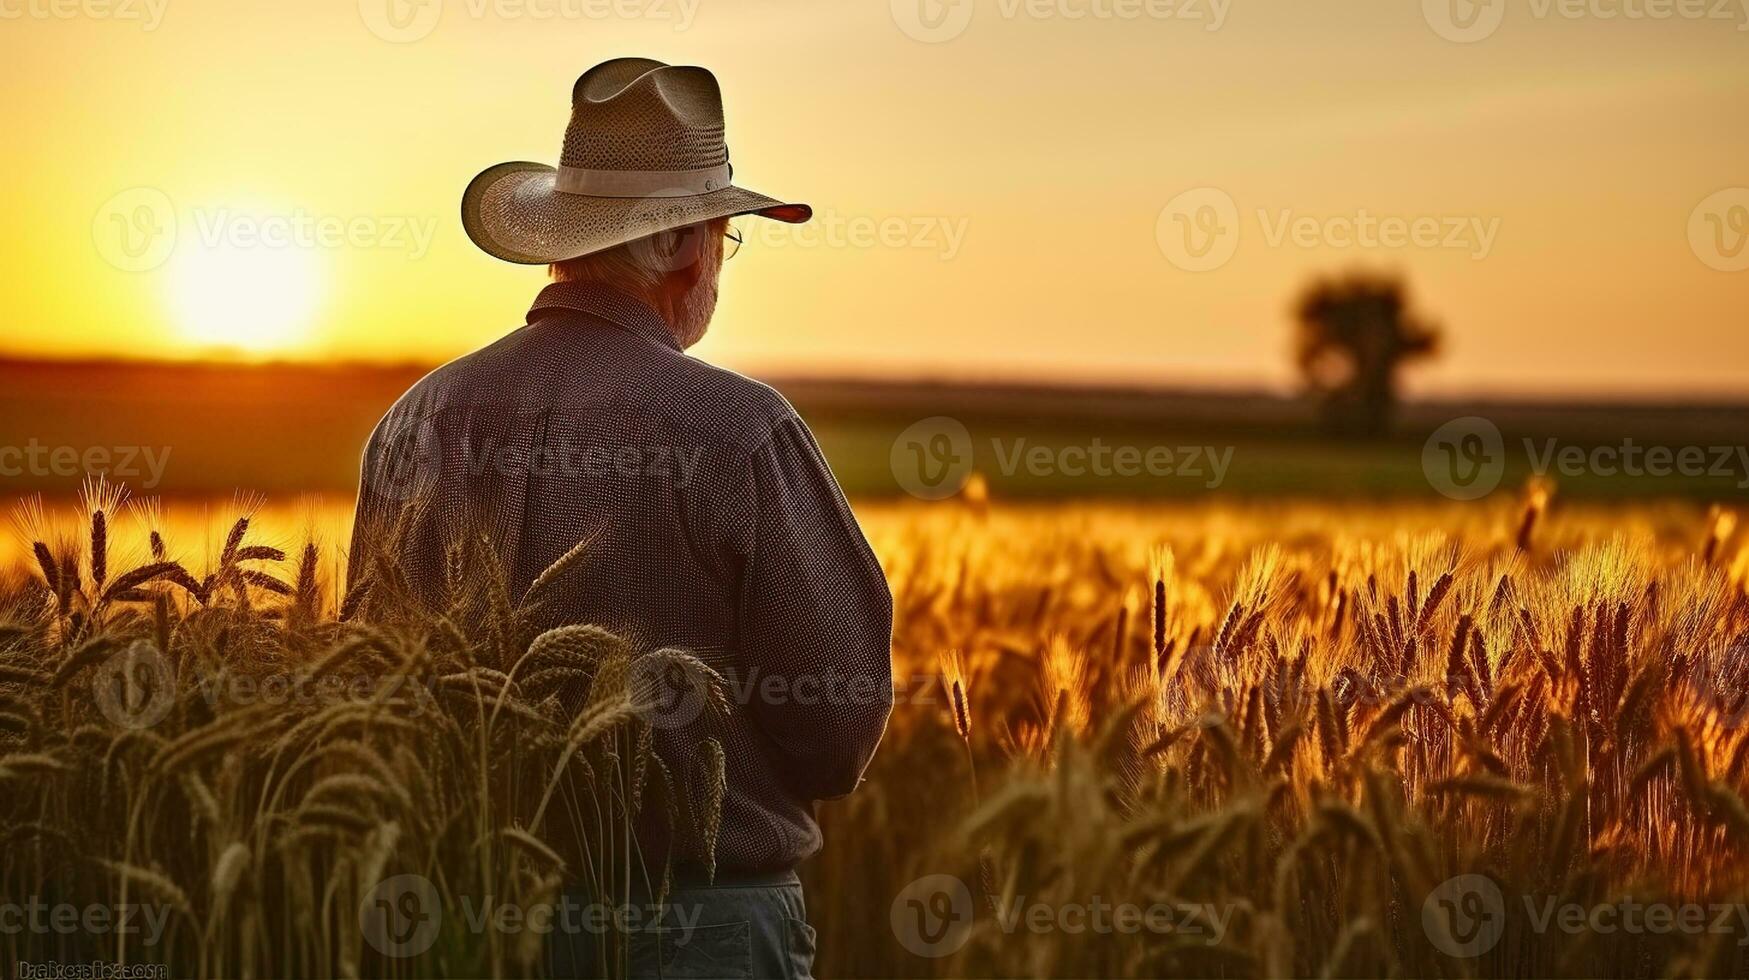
(688, 275)
(704, 241)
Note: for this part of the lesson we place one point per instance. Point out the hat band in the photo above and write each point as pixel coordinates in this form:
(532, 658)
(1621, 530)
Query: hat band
(642, 183)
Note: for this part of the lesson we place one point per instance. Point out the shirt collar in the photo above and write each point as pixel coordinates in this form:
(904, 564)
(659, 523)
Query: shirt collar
(603, 303)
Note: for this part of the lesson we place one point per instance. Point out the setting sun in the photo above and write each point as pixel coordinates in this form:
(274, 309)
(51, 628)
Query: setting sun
(259, 300)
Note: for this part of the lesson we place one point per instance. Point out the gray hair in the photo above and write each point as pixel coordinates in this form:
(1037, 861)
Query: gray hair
(639, 267)
(645, 269)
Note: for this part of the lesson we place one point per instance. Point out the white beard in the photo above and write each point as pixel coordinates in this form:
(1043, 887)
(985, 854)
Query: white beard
(691, 314)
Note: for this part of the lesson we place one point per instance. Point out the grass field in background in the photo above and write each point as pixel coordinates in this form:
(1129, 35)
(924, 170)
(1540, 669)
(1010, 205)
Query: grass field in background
(286, 430)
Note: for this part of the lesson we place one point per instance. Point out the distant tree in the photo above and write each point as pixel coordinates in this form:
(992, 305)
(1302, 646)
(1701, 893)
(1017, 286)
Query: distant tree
(1355, 331)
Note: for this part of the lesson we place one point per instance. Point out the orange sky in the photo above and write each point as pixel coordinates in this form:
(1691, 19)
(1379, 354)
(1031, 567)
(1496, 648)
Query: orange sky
(1008, 200)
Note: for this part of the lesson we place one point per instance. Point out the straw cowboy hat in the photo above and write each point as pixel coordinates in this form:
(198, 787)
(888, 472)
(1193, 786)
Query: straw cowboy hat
(644, 153)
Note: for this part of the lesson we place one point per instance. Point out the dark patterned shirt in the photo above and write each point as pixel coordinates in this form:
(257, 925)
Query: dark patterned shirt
(715, 527)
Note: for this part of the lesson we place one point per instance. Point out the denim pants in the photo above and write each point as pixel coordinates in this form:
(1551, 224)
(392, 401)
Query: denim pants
(745, 928)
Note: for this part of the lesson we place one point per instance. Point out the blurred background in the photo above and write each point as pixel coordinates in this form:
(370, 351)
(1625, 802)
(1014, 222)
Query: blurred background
(1307, 238)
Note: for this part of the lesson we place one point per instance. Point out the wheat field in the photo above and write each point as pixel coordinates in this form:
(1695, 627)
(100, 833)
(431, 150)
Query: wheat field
(1237, 739)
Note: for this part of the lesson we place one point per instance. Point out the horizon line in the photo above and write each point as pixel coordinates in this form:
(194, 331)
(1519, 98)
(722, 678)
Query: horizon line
(1188, 383)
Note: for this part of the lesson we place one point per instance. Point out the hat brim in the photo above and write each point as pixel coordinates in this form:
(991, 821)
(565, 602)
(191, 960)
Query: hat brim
(515, 212)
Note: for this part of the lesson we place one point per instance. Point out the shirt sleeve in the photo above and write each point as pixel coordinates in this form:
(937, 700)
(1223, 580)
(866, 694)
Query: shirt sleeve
(815, 614)
(368, 516)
